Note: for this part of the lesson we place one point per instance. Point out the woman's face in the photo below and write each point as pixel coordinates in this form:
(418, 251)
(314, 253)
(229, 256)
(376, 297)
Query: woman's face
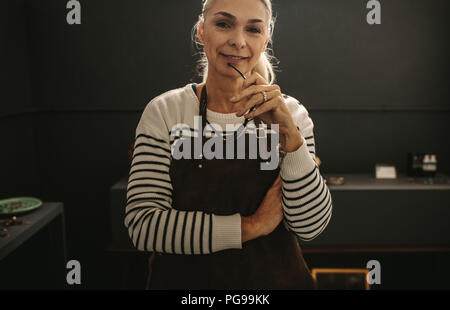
(234, 28)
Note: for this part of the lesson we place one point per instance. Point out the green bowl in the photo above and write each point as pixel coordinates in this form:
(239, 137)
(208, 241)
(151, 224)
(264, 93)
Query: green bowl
(19, 205)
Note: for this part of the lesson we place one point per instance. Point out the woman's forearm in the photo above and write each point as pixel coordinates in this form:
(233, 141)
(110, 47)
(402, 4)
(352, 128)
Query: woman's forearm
(249, 229)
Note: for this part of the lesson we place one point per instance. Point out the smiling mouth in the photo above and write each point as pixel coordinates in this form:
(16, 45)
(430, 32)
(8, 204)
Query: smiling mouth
(234, 57)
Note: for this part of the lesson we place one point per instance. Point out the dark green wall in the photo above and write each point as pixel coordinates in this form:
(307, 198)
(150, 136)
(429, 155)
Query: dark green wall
(18, 165)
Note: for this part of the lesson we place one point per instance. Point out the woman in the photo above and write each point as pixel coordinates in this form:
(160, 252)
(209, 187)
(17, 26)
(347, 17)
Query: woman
(221, 223)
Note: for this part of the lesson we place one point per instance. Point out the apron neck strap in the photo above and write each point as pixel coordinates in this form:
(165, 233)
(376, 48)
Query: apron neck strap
(203, 103)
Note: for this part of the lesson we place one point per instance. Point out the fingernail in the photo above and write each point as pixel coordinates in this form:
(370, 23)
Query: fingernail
(233, 99)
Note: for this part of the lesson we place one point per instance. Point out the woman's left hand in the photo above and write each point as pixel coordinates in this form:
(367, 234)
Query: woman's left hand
(273, 111)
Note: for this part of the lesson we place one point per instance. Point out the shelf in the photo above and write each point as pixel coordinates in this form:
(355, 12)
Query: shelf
(367, 182)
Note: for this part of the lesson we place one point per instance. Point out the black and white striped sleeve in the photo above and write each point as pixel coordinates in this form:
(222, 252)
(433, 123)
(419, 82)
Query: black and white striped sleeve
(306, 199)
(153, 225)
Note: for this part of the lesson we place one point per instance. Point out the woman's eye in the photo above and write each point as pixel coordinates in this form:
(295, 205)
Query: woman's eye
(255, 30)
(222, 24)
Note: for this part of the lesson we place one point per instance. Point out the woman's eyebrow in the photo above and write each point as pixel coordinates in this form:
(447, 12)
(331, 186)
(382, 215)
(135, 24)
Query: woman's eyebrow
(233, 18)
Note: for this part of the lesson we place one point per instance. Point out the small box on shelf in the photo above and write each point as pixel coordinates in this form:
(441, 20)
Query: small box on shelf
(385, 171)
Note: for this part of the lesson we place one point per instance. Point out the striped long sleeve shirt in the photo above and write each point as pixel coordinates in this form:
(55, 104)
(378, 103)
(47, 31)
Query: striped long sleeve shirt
(153, 225)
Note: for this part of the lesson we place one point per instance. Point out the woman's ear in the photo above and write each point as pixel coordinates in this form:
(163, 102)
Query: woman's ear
(200, 31)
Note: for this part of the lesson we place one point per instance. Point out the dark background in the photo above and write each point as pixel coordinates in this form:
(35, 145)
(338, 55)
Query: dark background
(71, 95)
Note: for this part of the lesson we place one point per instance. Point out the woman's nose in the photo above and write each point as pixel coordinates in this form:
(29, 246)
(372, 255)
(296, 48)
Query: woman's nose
(237, 39)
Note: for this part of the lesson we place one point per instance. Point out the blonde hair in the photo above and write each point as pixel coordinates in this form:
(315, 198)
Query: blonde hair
(264, 66)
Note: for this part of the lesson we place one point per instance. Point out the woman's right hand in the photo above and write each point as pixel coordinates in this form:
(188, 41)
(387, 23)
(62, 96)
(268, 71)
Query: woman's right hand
(267, 217)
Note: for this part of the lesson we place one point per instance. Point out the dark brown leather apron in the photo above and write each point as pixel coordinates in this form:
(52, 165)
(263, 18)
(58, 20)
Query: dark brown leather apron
(226, 187)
